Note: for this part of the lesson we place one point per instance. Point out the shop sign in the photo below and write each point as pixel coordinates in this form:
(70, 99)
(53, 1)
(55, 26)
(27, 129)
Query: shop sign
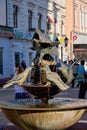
(6, 31)
(74, 37)
(19, 34)
(61, 40)
(28, 35)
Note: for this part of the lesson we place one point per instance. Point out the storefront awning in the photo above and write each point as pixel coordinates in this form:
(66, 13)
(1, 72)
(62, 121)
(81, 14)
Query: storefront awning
(80, 50)
(50, 20)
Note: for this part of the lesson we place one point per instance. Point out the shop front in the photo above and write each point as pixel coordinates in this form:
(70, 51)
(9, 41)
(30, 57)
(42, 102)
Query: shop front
(81, 53)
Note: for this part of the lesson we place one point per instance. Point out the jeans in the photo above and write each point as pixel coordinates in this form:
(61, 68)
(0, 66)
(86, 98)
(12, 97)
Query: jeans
(83, 88)
(21, 95)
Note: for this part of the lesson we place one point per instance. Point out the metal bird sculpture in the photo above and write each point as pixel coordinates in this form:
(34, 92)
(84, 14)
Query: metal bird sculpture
(18, 79)
(41, 42)
(67, 71)
(44, 48)
(55, 78)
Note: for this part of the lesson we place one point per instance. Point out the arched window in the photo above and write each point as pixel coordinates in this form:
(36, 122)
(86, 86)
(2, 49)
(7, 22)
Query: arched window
(1, 60)
(48, 25)
(49, 22)
(39, 20)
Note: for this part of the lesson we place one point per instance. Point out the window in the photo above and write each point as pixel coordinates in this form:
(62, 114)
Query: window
(30, 58)
(49, 22)
(76, 18)
(1, 60)
(15, 16)
(39, 20)
(82, 19)
(17, 58)
(29, 20)
(62, 24)
(48, 25)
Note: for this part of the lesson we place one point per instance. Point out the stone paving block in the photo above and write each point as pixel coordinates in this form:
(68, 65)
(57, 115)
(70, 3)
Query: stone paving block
(7, 127)
(77, 126)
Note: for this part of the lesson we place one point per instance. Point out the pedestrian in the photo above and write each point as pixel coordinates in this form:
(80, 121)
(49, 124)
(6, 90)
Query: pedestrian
(70, 63)
(20, 92)
(81, 79)
(75, 73)
(58, 65)
(23, 64)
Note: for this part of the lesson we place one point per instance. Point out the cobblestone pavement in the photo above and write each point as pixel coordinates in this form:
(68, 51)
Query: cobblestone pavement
(5, 124)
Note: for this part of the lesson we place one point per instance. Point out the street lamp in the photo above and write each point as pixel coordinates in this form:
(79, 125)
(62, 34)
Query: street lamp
(66, 41)
(57, 42)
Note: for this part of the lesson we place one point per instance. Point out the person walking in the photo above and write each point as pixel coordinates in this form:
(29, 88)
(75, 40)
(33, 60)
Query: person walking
(75, 73)
(23, 64)
(81, 79)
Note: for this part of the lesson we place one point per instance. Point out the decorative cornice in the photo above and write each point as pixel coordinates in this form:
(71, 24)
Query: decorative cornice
(84, 1)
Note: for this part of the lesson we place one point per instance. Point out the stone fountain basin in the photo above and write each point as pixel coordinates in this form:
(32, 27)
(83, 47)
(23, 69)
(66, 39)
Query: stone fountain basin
(41, 91)
(58, 114)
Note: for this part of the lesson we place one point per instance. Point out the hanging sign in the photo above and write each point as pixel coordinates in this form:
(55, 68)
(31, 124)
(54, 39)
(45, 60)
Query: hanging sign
(74, 37)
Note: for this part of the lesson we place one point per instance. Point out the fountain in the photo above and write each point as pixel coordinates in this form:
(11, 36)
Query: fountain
(44, 112)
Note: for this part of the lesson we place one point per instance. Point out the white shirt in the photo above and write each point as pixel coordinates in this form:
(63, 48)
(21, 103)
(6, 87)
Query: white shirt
(19, 89)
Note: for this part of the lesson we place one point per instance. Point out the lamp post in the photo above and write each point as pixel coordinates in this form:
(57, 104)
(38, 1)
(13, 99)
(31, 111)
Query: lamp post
(57, 42)
(66, 41)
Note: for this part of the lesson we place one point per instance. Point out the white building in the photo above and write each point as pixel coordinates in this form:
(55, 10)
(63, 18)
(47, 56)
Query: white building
(18, 21)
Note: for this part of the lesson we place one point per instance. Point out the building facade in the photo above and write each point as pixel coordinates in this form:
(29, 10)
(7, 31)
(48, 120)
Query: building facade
(17, 26)
(76, 28)
(58, 13)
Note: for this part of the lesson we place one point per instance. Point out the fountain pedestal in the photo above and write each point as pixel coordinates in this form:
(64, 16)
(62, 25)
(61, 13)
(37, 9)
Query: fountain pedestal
(43, 92)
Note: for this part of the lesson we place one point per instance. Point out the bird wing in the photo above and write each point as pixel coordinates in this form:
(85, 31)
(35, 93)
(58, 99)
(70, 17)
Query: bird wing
(67, 72)
(25, 76)
(18, 79)
(55, 78)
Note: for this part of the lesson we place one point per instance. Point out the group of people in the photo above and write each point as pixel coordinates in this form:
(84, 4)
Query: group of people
(79, 73)
(80, 76)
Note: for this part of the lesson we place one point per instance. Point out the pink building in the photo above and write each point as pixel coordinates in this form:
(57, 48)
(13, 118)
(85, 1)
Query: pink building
(76, 27)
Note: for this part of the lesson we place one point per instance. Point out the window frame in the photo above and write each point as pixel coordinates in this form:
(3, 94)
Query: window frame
(1, 60)
(15, 16)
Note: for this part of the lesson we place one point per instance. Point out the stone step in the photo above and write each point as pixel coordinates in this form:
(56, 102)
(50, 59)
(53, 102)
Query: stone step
(77, 126)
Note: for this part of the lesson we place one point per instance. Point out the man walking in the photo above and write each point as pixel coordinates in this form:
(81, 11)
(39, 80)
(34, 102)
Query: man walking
(81, 78)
